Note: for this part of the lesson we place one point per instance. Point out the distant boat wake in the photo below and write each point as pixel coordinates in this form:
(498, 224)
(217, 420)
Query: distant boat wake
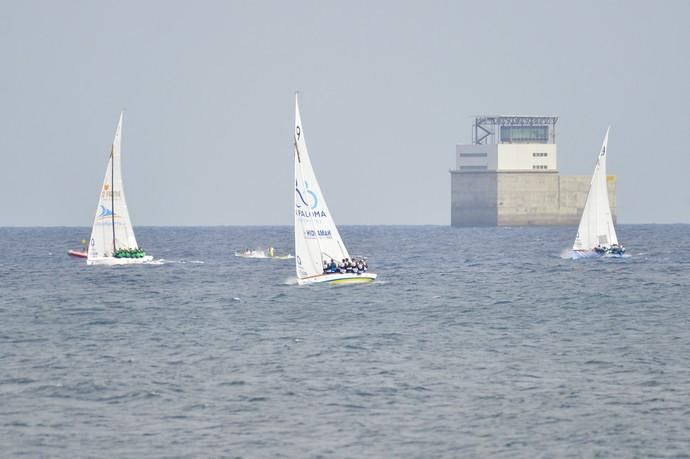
(163, 261)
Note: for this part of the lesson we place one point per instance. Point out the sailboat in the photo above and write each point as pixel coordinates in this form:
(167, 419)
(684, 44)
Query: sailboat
(320, 253)
(596, 235)
(112, 237)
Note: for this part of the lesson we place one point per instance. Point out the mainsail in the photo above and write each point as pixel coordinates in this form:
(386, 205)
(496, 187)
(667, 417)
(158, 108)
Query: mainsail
(316, 236)
(596, 225)
(112, 228)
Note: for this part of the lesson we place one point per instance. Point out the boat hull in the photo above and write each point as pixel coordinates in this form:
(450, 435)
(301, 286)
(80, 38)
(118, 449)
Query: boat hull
(338, 278)
(110, 261)
(77, 253)
(580, 254)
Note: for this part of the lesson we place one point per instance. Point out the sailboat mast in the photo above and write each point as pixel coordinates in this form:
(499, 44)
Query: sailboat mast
(112, 194)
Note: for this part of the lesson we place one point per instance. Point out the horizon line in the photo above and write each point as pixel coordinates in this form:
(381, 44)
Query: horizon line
(340, 225)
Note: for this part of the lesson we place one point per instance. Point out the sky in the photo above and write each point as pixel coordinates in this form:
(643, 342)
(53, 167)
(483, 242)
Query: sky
(387, 89)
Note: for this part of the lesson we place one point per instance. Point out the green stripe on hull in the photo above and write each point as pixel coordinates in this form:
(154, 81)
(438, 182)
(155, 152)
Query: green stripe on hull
(352, 280)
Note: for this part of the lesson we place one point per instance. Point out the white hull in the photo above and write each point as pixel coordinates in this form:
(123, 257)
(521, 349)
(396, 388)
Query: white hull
(119, 261)
(338, 278)
(579, 254)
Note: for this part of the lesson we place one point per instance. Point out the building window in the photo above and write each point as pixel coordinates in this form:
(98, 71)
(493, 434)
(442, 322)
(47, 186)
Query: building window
(540, 166)
(473, 155)
(540, 155)
(524, 134)
(473, 168)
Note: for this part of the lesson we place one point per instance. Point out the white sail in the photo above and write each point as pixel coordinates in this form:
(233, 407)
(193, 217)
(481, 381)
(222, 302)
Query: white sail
(112, 228)
(316, 236)
(596, 225)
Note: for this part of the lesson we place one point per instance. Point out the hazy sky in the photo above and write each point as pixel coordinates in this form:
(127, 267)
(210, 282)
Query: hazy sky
(388, 88)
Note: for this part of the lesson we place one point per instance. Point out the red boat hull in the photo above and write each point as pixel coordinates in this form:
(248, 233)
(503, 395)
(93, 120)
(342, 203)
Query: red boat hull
(77, 253)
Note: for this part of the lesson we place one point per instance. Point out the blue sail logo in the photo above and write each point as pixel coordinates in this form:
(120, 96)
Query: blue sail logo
(105, 212)
(307, 207)
(310, 194)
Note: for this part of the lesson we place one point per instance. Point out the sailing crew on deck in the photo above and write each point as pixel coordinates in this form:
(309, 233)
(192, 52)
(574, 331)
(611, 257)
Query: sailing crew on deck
(360, 266)
(355, 265)
(350, 266)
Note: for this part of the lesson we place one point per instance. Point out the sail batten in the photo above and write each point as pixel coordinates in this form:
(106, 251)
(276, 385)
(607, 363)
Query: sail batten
(316, 237)
(112, 228)
(596, 224)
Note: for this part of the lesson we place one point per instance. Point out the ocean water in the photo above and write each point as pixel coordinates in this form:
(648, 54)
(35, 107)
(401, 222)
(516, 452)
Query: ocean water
(474, 343)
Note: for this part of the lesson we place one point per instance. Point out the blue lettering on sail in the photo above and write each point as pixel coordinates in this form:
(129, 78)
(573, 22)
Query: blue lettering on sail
(309, 213)
(313, 234)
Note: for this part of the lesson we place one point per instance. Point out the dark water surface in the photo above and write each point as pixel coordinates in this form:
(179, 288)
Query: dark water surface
(475, 343)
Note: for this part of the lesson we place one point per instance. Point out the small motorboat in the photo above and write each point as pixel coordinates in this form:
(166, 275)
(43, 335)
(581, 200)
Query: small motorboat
(259, 253)
(77, 253)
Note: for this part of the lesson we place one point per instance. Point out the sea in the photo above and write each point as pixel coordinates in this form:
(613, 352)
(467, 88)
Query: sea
(473, 342)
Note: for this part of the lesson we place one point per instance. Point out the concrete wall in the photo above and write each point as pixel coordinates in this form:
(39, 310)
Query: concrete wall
(528, 198)
(520, 198)
(573, 196)
(473, 199)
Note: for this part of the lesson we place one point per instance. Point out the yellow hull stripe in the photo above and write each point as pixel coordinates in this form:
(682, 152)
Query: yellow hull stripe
(352, 280)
